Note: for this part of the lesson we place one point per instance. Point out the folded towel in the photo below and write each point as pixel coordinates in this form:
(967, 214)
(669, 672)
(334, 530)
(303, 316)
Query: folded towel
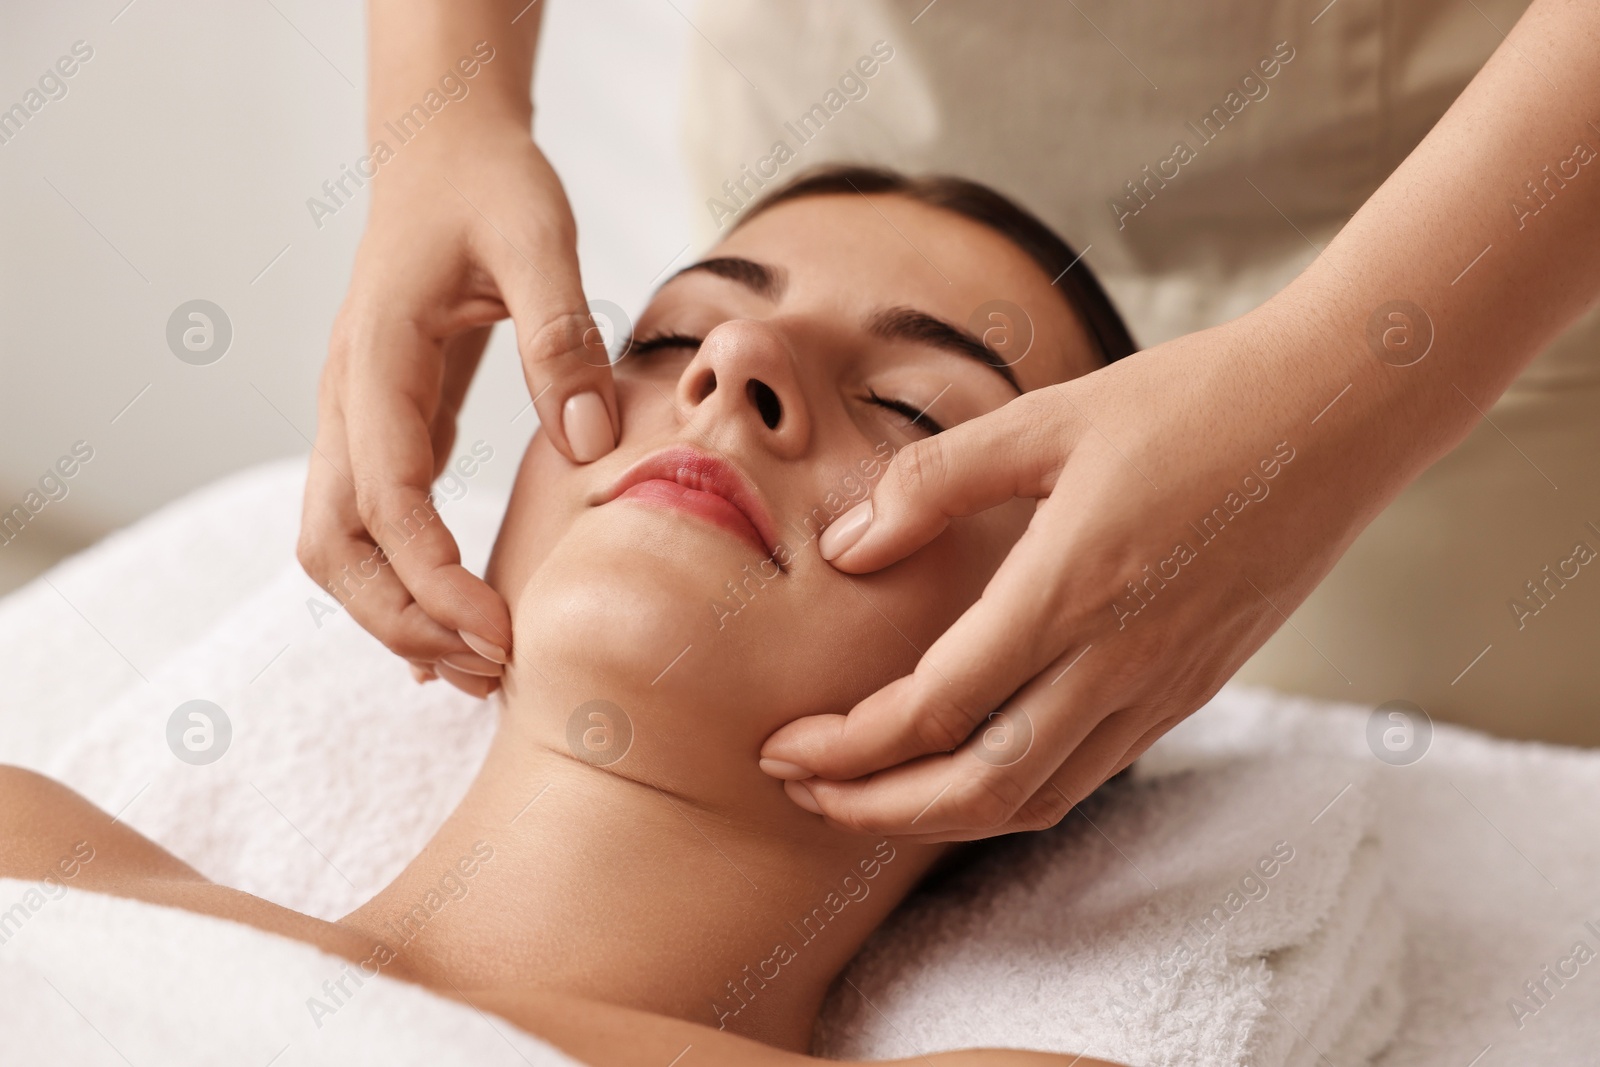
(1370, 1036)
(94, 979)
(1319, 984)
(1201, 919)
(1493, 850)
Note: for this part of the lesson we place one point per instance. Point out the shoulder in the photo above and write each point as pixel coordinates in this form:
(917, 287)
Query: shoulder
(49, 831)
(30, 802)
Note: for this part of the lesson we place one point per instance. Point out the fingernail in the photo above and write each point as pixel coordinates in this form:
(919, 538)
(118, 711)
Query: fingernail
(466, 663)
(422, 674)
(800, 793)
(845, 531)
(588, 426)
(486, 649)
(784, 769)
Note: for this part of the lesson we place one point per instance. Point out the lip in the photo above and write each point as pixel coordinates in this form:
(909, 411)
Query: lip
(703, 485)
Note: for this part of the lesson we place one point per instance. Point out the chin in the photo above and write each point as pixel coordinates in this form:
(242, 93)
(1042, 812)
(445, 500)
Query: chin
(623, 592)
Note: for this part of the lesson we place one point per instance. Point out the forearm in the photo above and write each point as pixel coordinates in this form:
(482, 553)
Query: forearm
(1459, 231)
(412, 44)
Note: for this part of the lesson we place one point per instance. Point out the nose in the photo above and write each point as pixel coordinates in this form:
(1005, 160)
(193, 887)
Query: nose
(744, 375)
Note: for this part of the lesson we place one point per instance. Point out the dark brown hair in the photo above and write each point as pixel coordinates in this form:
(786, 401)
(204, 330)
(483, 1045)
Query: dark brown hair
(981, 204)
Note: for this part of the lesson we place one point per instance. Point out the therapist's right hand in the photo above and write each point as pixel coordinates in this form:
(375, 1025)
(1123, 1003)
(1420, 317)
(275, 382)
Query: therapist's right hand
(468, 225)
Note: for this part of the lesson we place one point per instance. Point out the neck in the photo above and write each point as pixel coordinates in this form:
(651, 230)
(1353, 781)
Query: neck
(678, 879)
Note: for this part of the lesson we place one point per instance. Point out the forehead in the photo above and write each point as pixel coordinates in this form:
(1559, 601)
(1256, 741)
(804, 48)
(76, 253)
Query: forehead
(856, 255)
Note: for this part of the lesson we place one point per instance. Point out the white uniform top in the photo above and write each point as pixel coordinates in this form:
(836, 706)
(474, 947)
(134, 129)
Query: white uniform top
(1203, 153)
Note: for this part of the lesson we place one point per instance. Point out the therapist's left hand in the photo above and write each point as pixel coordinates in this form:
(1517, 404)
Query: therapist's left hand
(1058, 677)
(1283, 432)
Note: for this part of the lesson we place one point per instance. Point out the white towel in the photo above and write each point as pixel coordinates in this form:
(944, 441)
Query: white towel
(339, 770)
(1476, 836)
(1145, 930)
(1319, 985)
(89, 979)
(1493, 848)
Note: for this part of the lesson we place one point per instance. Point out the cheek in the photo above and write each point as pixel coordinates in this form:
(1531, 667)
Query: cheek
(646, 394)
(547, 496)
(847, 636)
(543, 504)
(947, 576)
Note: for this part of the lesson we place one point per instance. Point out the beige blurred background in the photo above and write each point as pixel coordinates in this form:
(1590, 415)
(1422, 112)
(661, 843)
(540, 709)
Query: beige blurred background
(177, 167)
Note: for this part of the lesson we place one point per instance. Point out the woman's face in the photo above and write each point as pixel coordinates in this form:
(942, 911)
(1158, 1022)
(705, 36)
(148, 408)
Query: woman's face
(765, 390)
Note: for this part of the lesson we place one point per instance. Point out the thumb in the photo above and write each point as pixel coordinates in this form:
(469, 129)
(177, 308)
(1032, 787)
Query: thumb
(980, 464)
(564, 357)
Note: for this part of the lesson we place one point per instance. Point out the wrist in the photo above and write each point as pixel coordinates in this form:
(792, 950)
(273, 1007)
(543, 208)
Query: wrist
(1410, 368)
(453, 58)
(465, 96)
(1366, 389)
(455, 129)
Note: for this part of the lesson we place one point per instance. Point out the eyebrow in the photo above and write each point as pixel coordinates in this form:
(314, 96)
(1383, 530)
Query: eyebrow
(759, 278)
(918, 327)
(890, 324)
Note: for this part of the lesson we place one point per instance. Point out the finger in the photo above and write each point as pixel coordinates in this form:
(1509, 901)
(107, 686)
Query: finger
(1017, 629)
(948, 797)
(472, 663)
(955, 473)
(462, 354)
(963, 797)
(1068, 788)
(366, 587)
(338, 553)
(1009, 759)
(392, 389)
(1141, 746)
(563, 351)
(982, 784)
(471, 684)
(1103, 753)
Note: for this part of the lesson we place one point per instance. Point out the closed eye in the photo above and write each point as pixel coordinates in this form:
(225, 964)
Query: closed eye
(918, 417)
(661, 342)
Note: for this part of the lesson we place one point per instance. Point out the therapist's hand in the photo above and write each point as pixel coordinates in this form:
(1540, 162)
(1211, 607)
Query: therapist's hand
(1099, 633)
(1060, 675)
(468, 225)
